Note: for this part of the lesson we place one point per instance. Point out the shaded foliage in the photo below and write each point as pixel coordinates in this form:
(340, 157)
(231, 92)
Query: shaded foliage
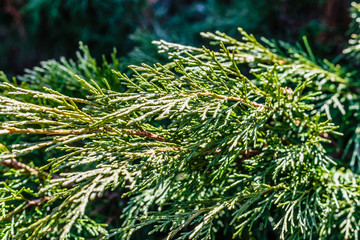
(36, 30)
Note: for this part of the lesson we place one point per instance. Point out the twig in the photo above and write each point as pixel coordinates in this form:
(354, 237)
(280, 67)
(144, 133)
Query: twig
(144, 134)
(36, 202)
(13, 163)
(13, 130)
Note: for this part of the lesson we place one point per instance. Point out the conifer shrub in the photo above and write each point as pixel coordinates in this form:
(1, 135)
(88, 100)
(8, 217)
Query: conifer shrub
(256, 139)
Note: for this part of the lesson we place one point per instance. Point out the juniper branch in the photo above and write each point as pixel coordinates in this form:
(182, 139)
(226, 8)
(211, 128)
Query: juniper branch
(192, 144)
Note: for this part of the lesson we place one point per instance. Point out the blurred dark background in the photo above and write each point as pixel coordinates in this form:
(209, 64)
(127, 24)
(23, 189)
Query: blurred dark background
(35, 30)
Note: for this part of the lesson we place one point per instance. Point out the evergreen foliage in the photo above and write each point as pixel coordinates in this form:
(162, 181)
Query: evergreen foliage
(250, 138)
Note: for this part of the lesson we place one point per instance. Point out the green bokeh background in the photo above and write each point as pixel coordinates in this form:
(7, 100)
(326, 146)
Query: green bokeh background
(35, 30)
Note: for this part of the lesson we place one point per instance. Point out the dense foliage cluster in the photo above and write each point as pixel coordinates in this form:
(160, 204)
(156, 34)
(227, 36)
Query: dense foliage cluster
(250, 139)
